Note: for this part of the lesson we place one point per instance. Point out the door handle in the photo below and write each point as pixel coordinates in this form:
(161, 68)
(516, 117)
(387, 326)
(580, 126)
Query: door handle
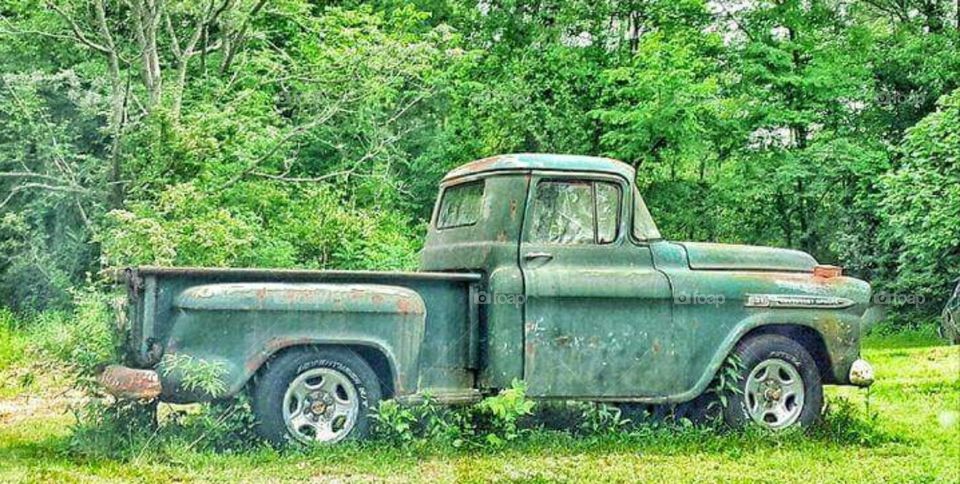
(537, 255)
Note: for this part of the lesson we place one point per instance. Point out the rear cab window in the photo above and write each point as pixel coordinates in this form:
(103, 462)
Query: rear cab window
(461, 205)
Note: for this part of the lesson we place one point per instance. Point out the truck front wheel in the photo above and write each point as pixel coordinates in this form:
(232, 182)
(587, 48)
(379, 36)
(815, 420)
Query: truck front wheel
(315, 395)
(780, 385)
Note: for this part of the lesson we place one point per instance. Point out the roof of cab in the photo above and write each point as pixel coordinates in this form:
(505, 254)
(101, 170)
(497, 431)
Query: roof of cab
(542, 161)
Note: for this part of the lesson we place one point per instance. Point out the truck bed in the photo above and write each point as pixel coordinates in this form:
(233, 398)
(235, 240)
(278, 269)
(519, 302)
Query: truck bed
(451, 316)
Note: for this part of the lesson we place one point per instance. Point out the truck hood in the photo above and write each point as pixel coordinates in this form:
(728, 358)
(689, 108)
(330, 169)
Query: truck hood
(708, 256)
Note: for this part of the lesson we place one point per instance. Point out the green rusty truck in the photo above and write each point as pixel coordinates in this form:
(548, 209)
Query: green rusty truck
(538, 267)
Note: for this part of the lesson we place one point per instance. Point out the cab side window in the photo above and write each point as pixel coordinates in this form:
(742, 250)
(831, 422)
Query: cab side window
(575, 212)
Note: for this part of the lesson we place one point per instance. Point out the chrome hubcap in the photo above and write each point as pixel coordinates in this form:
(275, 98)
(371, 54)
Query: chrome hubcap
(320, 405)
(774, 394)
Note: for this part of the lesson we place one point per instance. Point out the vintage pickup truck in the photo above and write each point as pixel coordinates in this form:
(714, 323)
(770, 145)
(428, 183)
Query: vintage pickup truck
(544, 268)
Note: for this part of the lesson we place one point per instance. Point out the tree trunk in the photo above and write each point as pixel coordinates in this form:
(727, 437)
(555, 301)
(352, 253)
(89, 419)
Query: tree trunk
(147, 19)
(118, 98)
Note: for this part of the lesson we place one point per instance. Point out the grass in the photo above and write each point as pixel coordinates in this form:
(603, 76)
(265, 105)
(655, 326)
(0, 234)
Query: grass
(913, 435)
(11, 340)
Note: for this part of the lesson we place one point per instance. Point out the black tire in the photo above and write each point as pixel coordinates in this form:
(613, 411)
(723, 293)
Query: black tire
(772, 347)
(277, 375)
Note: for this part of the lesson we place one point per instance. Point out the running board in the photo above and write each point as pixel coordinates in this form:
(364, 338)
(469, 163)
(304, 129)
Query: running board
(443, 396)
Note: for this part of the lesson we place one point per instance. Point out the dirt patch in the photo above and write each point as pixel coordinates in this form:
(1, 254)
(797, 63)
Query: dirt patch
(32, 393)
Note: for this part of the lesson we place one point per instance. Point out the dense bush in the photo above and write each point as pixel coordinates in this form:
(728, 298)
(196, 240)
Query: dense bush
(263, 224)
(82, 340)
(294, 134)
(921, 205)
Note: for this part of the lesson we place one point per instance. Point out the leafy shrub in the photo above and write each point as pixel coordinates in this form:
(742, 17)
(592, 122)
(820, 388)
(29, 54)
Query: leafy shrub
(83, 339)
(132, 430)
(921, 206)
(115, 430)
(726, 382)
(504, 411)
(219, 425)
(600, 418)
(426, 421)
(264, 224)
(395, 422)
(495, 420)
(195, 373)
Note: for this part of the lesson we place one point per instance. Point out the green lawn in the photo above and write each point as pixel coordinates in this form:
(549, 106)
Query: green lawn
(915, 437)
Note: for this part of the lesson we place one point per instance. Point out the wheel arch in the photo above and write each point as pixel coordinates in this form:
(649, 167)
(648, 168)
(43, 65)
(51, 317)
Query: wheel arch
(381, 364)
(807, 337)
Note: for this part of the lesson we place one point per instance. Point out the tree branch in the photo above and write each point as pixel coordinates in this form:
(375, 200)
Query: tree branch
(27, 174)
(316, 179)
(53, 188)
(236, 41)
(77, 31)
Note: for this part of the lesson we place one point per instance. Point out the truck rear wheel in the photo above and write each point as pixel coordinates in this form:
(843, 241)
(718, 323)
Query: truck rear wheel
(780, 385)
(315, 395)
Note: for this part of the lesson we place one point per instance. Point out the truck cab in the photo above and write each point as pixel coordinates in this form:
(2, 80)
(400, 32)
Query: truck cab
(584, 299)
(536, 267)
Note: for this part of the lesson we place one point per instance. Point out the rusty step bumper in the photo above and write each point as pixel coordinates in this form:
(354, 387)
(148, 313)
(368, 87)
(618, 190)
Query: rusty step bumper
(130, 383)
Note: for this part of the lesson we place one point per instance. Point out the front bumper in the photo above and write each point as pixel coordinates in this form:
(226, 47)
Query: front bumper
(130, 383)
(861, 373)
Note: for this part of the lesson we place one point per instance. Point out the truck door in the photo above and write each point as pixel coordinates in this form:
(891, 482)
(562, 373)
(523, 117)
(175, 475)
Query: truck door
(597, 314)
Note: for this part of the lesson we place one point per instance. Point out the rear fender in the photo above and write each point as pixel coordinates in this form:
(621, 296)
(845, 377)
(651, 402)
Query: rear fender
(232, 329)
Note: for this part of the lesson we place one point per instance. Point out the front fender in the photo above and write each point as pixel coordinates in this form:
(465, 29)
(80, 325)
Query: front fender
(232, 329)
(834, 308)
(839, 331)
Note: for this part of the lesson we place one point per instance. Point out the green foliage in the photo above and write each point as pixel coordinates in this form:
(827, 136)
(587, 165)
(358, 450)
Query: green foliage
(600, 418)
(267, 224)
(81, 340)
(197, 375)
(134, 431)
(505, 410)
(113, 430)
(51, 181)
(423, 422)
(395, 422)
(494, 421)
(921, 204)
(844, 422)
(301, 135)
(223, 426)
(726, 382)
(12, 341)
